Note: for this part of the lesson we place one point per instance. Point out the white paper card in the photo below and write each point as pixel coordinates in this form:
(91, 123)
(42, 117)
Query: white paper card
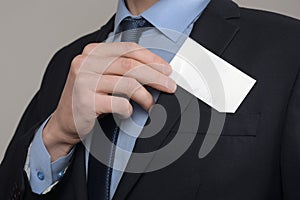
(210, 78)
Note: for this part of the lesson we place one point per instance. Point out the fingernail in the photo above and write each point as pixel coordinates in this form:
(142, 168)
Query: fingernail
(172, 85)
(167, 69)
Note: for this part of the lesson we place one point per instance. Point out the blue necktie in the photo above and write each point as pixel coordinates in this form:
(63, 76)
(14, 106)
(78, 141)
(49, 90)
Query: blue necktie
(99, 175)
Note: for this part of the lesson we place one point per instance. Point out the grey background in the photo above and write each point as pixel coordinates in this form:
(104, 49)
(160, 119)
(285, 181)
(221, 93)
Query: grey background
(33, 30)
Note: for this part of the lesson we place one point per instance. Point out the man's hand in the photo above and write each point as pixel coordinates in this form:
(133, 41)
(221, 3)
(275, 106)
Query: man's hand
(101, 70)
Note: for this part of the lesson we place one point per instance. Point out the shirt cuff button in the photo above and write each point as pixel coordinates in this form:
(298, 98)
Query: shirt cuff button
(41, 176)
(60, 174)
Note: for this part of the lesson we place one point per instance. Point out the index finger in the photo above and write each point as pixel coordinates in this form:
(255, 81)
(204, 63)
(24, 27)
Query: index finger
(124, 49)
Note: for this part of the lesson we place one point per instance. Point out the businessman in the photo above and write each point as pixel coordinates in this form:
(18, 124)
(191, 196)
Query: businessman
(257, 156)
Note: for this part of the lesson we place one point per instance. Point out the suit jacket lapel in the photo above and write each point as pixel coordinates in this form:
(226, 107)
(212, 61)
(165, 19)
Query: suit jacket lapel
(173, 110)
(214, 30)
(106, 29)
(78, 179)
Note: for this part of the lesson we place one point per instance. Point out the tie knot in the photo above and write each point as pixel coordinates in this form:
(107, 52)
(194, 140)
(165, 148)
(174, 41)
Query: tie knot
(130, 23)
(132, 28)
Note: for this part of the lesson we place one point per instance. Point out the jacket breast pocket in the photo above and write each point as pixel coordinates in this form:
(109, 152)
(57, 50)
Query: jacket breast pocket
(241, 124)
(235, 124)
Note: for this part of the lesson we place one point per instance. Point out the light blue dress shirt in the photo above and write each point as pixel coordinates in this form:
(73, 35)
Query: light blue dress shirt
(171, 19)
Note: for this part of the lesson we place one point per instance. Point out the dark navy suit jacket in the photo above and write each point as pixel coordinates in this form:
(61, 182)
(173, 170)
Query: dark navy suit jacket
(258, 154)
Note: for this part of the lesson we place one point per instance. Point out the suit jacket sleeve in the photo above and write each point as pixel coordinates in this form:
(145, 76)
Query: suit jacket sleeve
(13, 178)
(290, 157)
(12, 175)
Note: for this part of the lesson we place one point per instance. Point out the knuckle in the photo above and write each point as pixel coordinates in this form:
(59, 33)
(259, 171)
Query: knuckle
(144, 93)
(146, 97)
(104, 80)
(129, 47)
(134, 84)
(89, 48)
(126, 63)
(131, 85)
(78, 60)
(102, 105)
(162, 80)
(109, 83)
(76, 63)
(110, 79)
(156, 60)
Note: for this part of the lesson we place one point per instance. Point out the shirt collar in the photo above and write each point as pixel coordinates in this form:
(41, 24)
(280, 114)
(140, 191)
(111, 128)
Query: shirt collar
(166, 15)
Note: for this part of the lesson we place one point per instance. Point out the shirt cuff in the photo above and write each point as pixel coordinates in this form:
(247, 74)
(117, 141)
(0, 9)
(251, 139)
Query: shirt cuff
(43, 173)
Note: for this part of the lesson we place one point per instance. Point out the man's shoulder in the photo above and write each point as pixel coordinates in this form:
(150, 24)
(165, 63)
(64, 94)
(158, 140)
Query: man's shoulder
(63, 57)
(82, 41)
(97, 36)
(265, 20)
(75, 47)
(269, 30)
(60, 63)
